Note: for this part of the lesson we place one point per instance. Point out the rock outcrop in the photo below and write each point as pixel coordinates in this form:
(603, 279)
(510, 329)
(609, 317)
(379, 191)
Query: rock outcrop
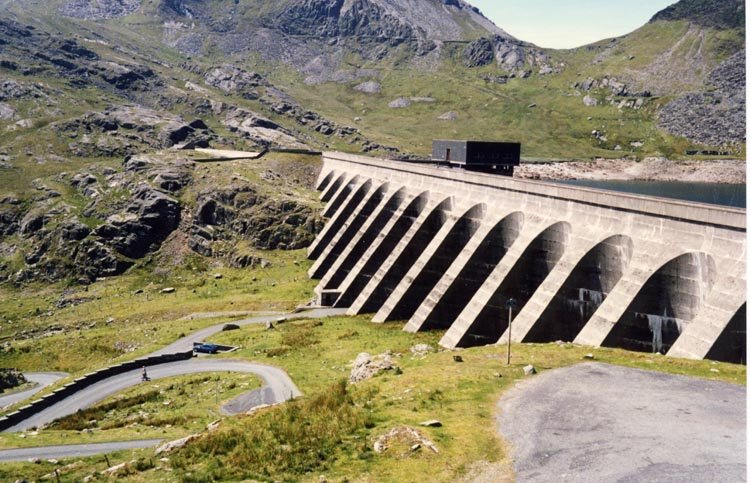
(508, 54)
(715, 116)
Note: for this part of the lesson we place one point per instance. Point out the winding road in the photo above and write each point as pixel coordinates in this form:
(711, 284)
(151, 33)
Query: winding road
(41, 380)
(278, 387)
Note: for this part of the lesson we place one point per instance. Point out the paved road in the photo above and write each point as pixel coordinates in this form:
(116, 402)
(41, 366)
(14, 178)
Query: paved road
(42, 380)
(595, 422)
(73, 450)
(280, 386)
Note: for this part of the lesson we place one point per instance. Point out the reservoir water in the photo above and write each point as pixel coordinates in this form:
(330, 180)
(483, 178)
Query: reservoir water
(734, 195)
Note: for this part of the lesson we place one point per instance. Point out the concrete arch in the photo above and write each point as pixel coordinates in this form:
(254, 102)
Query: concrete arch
(393, 270)
(667, 302)
(325, 181)
(366, 240)
(731, 345)
(339, 221)
(340, 197)
(451, 245)
(488, 254)
(332, 189)
(592, 279)
(386, 246)
(339, 245)
(529, 271)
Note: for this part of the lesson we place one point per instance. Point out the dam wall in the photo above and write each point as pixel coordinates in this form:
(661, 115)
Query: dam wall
(446, 249)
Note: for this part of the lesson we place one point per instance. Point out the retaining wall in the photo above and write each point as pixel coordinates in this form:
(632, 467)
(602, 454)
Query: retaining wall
(11, 419)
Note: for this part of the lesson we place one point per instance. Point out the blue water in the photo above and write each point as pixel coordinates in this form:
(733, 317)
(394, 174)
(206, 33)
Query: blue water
(734, 195)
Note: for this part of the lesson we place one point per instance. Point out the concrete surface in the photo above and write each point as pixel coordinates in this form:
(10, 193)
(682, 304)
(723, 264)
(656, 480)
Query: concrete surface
(595, 422)
(42, 380)
(73, 450)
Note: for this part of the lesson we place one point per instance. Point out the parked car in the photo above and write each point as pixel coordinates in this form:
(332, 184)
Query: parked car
(205, 347)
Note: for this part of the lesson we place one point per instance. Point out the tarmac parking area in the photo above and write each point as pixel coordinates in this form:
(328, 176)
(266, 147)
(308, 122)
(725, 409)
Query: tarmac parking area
(596, 422)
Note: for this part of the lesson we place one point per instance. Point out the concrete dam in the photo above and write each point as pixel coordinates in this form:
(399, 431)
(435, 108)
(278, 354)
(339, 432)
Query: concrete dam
(446, 249)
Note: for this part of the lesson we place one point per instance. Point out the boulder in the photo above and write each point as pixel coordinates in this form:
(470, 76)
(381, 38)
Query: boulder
(10, 378)
(366, 366)
(421, 349)
(74, 230)
(231, 79)
(7, 112)
(399, 103)
(432, 423)
(403, 437)
(479, 53)
(369, 87)
(176, 444)
(589, 101)
(448, 116)
(32, 222)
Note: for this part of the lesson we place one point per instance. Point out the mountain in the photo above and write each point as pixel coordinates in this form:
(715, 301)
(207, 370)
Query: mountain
(725, 14)
(97, 98)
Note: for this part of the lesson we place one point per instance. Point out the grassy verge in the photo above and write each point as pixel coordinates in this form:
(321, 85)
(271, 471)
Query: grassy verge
(163, 409)
(332, 429)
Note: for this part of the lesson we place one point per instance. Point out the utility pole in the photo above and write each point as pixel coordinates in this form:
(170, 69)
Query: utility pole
(509, 305)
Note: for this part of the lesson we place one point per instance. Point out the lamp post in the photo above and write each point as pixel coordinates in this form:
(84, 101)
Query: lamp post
(509, 305)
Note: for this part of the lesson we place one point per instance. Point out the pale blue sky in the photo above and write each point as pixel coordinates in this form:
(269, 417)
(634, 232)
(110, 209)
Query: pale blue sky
(563, 24)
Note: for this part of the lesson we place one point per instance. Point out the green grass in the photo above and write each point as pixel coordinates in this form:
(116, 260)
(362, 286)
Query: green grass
(141, 322)
(461, 395)
(317, 354)
(294, 439)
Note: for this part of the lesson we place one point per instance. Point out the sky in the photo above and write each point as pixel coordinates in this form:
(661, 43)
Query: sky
(564, 24)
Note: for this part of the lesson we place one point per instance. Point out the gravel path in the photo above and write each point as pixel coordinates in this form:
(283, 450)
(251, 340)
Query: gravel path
(595, 422)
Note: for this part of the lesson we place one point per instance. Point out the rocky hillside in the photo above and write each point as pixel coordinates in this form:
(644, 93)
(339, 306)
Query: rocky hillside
(101, 101)
(100, 221)
(716, 115)
(725, 14)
